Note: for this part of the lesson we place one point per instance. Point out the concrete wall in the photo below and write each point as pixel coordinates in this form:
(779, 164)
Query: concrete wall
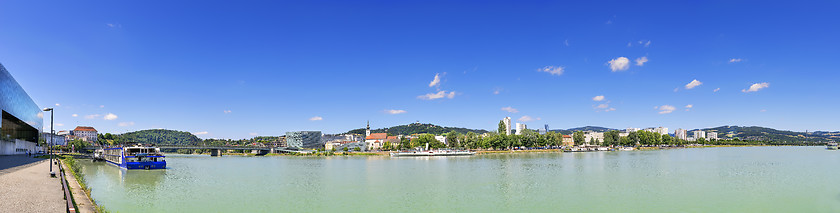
(17, 147)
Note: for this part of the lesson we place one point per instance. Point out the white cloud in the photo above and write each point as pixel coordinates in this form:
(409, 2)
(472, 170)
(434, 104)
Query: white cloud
(200, 133)
(609, 110)
(528, 118)
(316, 118)
(558, 70)
(619, 64)
(113, 25)
(716, 90)
(75, 115)
(763, 110)
(101, 106)
(130, 123)
(56, 104)
(647, 44)
(110, 117)
(665, 109)
(497, 91)
(756, 87)
(395, 111)
(566, 42)
(510, 109)
(688, 107)
(641, 61)
(92, 116)
(735, 60)
(438, 95)
(253, 134)
(693, 84)
(629, 44)
(676, 89)
(227, 111)
(436, 81)
(598, 98)
(602, 106)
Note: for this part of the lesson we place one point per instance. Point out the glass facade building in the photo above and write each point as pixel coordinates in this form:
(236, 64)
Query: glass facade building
(304, 139)
(21, 117)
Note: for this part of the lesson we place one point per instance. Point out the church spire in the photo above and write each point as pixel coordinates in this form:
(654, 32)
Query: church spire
(367, 129)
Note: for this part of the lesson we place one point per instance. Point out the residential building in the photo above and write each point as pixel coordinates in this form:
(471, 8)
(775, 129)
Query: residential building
(593, 136)
(304, 139)
(699, 134)
(661, 130)
(568, 140)
(22, 119)
(54, 139)
(543, 131)
(629, 130)
(681, 134)
(85, 133)
(506, 121)
(441, 138)
(520, 127)
(393, 140)
(712, 135)
(374, 141)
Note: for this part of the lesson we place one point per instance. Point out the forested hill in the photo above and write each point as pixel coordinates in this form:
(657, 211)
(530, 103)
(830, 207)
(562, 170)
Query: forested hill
(417, 128)
(767, 134)
(585, 128)
(159, 137)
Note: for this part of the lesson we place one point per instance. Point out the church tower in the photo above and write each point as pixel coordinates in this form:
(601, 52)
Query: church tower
(367, 130)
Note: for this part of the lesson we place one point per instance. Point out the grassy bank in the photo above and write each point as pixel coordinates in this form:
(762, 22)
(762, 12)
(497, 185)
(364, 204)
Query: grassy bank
(76, 170)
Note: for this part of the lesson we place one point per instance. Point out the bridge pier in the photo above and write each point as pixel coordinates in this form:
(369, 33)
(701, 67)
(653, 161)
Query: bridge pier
(215, 152)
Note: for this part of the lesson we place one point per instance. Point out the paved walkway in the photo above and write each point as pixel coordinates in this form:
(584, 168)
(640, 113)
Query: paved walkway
(27, 187)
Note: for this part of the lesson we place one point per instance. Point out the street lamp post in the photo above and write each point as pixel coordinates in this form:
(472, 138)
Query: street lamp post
(52, 137)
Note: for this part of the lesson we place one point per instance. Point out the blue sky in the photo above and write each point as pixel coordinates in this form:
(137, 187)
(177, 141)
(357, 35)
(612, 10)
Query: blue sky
(234, 69)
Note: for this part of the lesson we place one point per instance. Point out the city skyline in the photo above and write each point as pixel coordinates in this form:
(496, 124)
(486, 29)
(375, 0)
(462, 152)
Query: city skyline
(239, 70)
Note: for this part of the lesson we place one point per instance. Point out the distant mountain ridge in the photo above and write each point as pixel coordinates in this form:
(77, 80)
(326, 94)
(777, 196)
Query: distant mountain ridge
(159, 137)
(418, 128)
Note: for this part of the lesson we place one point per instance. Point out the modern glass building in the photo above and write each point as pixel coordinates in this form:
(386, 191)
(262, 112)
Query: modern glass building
(304, 139)
(22, 120)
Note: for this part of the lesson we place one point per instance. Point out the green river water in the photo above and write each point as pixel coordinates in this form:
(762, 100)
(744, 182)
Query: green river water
(738, 179)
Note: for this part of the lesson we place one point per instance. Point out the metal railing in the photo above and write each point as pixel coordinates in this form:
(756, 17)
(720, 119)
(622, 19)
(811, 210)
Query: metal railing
(67, 195)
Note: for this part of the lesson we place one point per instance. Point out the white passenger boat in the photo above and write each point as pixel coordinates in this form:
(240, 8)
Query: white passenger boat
(831, 146)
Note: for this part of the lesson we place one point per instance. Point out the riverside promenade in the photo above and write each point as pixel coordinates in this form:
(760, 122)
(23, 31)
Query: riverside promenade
(27, 186)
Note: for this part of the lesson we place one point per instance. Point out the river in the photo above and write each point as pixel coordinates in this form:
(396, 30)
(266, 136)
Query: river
(728, 179)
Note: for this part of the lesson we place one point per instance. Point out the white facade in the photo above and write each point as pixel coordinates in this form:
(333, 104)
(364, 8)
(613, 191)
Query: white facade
(507, 125)
(681, 134)
(590, 136)
(699, 134)
(441, 138)
(629, 130)
(661, 130)
(520, 127)
(712, 135)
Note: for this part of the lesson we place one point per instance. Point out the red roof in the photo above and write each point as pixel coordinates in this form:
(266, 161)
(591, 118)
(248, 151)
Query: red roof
(85, 128)
(377, 136)
(393, 137)
(567, 136)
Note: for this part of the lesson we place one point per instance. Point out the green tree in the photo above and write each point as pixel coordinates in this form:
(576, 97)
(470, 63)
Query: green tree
(579, 138)
(452, 139)
(502, 128)
(667, 139)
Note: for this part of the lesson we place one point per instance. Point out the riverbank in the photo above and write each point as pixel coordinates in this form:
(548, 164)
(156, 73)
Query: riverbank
(78, 186)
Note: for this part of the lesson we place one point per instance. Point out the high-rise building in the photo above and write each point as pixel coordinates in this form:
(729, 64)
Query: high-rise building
(681, 134)
(699, 134)
(22, 119)
(304, 139)
(520, 127)
(544, 130)
(506, 121)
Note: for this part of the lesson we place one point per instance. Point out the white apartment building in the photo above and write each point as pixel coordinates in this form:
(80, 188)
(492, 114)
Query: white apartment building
(85, 133)
(661, 130)
(681, 134)
(712, 135)
(699, 134)
(520, 127)
(590, 136)
(629, 130)
(506, 120)
(441, 138)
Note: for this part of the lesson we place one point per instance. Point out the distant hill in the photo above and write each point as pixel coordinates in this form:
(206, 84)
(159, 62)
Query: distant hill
(159, 137)
(418, 128)
(585, 128)
(767, 134)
